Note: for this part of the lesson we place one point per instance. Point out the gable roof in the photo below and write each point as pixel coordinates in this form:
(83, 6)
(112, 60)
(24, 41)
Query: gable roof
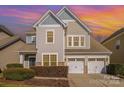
(53, 15)
(95, 48)
(4, 29)
(120, 31)
(28, 48)
(8, 41)
(75, 17)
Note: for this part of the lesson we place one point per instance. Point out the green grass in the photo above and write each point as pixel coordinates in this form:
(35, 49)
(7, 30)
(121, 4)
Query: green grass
(12, 85)
(4, 84)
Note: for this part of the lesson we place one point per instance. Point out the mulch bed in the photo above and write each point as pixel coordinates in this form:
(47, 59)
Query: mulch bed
(48, 82)
(38, 82)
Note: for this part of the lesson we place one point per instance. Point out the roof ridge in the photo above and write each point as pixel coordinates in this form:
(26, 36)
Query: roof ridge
(54, 15)
(6, 30)
(119, 31)
(75, 16)
(10, 41)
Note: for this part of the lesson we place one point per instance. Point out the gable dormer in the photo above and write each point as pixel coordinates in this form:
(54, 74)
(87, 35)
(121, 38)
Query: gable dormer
(49, 19)
(77, 34)
(67, 15)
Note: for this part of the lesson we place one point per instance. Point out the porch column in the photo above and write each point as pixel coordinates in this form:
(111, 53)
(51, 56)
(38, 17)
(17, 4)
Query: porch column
(21, 59)
(85, 65)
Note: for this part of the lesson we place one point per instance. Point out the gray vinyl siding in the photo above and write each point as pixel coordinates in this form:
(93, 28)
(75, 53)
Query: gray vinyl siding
(75, 29)
(57, 47)
(49, 20)
(65, 16)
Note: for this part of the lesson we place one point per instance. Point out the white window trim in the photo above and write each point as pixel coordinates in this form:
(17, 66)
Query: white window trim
(50, 30)
(32, 38)
(79, 40)
(49, 57)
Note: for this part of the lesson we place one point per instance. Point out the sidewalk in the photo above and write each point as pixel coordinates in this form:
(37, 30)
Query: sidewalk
(53, 78)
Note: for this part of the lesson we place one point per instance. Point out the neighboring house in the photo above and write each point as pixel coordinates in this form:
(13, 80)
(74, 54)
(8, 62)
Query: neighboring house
(115, 43)
(9, 46)
(62, 39)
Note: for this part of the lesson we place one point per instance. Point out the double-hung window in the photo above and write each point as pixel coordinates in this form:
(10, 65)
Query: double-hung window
(50, 37)
(75, 41)
(69, 41)
(49, 59)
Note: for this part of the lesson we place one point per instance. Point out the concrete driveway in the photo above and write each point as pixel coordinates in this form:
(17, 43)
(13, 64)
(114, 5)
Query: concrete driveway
(94, 80)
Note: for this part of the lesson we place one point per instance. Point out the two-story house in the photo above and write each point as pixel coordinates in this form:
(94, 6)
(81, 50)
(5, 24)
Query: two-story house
(115, 43)
(62, 39)
(9, 45)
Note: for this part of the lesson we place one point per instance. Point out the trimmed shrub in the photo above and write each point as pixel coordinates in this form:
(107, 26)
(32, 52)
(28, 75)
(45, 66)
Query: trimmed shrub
(115, 69)
(14, 65)
(51, 71)
(18, 74)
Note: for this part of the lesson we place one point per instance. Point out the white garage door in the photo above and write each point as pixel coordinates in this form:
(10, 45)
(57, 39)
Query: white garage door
(76, 66)
(96, 67)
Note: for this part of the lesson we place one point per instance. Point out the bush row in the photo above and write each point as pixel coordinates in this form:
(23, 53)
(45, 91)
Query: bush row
(115, 69)
(51, 71)
(14, 65)
(18, 73)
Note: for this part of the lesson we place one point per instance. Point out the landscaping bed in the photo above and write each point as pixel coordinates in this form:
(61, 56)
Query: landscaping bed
(51, 71)
(115, 69)
(17, 76)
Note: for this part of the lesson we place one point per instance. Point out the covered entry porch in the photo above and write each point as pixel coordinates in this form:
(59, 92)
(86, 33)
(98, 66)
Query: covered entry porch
(28, 60)
(27, 55)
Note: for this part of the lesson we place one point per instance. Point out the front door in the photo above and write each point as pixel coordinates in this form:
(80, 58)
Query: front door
(32, 61)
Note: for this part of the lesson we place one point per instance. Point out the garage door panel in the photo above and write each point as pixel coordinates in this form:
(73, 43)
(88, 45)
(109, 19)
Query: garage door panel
(95, 67)
(76, 67)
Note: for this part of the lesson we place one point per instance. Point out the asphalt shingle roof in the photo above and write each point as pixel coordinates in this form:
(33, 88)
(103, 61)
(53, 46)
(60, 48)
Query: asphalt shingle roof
(8, 41)
(114, 34)
(95, 48)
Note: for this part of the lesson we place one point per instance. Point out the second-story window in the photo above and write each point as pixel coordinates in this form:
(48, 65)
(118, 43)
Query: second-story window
(76, 41)
(82, 41)
(33, 39)
(117, 44)
(50, 37)
(69, 41)
(30, 39)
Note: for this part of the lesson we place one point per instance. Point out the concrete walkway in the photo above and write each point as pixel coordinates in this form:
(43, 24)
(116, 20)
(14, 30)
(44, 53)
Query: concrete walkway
(94, 80)
(52, 78)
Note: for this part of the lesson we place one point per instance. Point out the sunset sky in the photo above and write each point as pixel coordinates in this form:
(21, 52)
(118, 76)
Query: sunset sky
(102, 20)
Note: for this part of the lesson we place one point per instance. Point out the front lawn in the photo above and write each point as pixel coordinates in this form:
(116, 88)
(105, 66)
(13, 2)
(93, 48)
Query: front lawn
(11, 85)
(34, 83)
